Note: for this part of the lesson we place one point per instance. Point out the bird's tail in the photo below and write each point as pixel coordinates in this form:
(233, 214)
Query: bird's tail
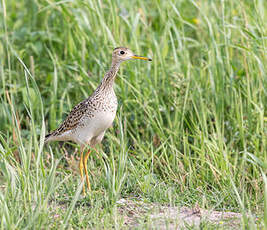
(47, 137)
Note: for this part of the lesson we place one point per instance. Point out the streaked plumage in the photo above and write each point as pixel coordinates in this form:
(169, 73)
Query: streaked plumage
(87, 122)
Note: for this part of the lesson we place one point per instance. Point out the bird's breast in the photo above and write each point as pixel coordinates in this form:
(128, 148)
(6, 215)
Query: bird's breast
(99, 118)
(96, 123)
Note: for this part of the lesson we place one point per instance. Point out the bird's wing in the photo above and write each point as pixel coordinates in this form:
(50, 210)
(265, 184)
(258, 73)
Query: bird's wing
(73, 119)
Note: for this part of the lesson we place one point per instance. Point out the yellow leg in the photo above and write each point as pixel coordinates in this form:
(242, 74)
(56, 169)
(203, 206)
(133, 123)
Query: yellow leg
(85, 168)
(81, 170)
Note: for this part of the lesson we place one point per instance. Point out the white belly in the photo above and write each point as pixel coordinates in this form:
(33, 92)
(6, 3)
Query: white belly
(95, 126)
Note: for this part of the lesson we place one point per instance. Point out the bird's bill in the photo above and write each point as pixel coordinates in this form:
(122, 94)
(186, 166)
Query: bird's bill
(142, 58)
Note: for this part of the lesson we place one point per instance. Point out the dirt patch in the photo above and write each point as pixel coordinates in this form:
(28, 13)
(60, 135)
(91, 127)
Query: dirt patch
(165, 217)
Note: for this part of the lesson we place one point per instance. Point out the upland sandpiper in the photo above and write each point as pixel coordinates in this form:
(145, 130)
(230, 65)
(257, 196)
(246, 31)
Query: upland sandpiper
(87, 122)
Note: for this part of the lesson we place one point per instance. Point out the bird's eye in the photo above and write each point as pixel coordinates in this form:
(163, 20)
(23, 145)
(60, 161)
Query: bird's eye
(122, 52)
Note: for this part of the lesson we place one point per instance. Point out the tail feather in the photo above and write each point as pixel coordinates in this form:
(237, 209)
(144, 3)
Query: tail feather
(47, 137)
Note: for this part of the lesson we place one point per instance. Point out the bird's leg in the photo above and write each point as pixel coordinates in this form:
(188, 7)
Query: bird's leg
(81, 170)
(85, 168)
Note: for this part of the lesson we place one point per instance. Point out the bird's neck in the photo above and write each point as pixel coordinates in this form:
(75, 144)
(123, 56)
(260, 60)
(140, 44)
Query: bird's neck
(109, 78)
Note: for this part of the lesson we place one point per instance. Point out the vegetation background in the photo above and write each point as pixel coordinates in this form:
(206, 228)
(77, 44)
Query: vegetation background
(191, 127)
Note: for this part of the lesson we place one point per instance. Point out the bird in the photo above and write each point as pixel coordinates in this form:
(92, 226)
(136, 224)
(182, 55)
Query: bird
(88, 121)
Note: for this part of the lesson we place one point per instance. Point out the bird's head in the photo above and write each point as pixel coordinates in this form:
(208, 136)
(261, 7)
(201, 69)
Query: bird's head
(121, 54)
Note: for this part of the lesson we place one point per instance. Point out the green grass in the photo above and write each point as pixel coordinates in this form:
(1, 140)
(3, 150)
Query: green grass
(191, 127)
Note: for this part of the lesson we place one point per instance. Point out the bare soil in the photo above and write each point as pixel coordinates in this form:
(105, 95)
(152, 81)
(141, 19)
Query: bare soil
(157, 216)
